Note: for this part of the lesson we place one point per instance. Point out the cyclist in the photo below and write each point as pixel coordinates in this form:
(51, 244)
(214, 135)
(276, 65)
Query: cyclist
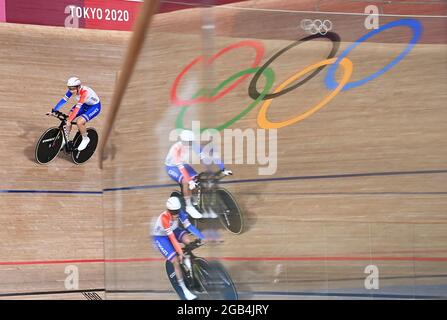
(88, 106)
(167, 234)
(177, 167)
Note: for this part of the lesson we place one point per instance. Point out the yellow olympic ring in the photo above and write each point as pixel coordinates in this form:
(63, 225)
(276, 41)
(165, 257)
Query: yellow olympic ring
(262, 115)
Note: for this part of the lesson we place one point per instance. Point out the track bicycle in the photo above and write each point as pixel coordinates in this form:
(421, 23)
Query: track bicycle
(208, 280)
(50, 143)
(211, 197)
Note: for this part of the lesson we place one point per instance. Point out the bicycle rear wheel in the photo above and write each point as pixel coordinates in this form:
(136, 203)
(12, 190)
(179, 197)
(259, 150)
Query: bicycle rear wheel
(230, 215)
(80, 157)
(48, 145)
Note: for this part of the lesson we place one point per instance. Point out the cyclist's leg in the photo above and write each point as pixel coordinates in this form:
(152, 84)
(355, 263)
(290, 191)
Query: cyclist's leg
(177, 176)
(174, 173)
(185, 185)
(184, 237)
(181, 282)
(86, 114)
(192, 173)
(167, 250)
(80, 122)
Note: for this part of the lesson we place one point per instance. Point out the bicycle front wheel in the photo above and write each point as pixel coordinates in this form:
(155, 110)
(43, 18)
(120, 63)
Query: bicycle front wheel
(48, 145)
(230, 215)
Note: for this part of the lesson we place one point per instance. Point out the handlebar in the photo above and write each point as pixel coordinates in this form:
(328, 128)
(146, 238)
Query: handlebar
(60, 115)
(192, 246)
(209, 176)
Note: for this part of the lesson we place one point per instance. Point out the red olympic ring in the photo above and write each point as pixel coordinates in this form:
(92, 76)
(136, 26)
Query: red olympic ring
(248, 43)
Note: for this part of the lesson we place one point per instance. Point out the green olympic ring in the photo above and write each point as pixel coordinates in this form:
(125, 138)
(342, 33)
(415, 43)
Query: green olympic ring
(268, 74)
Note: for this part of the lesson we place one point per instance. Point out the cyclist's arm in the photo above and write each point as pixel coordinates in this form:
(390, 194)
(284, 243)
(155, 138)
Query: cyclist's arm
(220, 164)
(75, 111)
(179, 164)
(63, 101)
(190, 227)
(209, 160)
(165, 223)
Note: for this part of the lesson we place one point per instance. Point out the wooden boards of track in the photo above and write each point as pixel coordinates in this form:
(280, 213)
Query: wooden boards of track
(51, 215)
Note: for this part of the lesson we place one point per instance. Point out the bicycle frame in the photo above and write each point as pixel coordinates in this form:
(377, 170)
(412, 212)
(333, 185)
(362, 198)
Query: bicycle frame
(201, 268)
(63, 118)
(207, 182)
(214, 271)
(187, 250)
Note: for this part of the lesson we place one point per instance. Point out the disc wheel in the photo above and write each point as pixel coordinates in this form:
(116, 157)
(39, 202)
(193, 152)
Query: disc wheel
(48, 145)
(80, 157)
(227, 209)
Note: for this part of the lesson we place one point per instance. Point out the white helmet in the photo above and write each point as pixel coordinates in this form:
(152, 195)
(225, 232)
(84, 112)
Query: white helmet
(73, 82)
(187, 135)
(173, 203)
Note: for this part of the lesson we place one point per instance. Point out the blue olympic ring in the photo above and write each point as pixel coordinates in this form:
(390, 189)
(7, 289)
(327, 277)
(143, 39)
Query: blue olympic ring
(416, 27)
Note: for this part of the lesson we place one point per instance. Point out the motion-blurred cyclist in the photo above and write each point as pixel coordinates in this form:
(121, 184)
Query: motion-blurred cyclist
(177, 167)
(88, 106)
(167, 234)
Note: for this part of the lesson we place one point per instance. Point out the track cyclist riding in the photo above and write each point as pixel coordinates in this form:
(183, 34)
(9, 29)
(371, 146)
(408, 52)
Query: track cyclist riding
(88, 106)
(178, 168)
(167, 234)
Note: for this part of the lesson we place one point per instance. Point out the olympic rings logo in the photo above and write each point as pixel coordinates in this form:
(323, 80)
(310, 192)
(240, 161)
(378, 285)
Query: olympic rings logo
(316, 26)
(266, 97)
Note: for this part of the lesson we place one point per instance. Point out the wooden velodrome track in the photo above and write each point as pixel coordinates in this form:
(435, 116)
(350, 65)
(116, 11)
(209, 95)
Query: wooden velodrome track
(361, 182)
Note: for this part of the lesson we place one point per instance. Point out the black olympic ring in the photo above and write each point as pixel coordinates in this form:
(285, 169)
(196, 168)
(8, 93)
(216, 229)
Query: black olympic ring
(254, 93)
